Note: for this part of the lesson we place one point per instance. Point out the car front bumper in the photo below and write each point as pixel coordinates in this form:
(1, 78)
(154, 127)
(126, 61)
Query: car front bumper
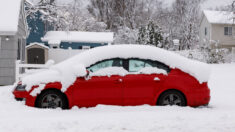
(20, 95)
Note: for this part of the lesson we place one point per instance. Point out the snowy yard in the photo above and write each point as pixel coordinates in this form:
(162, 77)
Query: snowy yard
(219, 116)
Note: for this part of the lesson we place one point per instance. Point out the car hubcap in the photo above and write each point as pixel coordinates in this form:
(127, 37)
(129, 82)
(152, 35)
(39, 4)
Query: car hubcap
(172, 99)
(51, 101)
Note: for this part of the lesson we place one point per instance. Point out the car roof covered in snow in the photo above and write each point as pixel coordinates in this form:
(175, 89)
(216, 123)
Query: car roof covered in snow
(219, 17)
(55, 37)
(9, 14)
(197, 69)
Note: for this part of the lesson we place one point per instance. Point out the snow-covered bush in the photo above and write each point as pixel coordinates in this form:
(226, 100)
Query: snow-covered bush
(125, 35)
(209, 56)
(150, 34)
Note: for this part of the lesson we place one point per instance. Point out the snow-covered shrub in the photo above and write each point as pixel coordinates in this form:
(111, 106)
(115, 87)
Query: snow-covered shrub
(216, 55)
(209, 56)
(125, 35)
(151, 34)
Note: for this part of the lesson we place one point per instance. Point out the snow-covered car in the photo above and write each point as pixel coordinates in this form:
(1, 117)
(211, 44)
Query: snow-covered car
(125, 75)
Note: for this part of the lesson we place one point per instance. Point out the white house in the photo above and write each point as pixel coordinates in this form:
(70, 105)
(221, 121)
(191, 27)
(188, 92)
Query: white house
(13, 33)
(217, 28)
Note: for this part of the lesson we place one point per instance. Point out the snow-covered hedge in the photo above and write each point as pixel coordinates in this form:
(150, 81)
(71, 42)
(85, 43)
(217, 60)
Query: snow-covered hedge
(213, 56)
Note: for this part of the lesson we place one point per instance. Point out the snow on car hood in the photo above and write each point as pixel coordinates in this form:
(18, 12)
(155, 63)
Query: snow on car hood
(67, 71)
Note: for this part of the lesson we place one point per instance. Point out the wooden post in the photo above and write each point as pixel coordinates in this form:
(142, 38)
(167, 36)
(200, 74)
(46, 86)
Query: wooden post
(17, 70)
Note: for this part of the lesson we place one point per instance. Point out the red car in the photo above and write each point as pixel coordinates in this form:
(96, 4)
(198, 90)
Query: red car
(170, 86)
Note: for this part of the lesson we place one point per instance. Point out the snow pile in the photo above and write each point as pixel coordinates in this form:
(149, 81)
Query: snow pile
(38, 90)
(9, 14)
(152, 70)
(64, 73)
(55, 37)
(79, 70)
(219, 116)
(49, 63)
(109, 71)
(43, 77)
(219, 17)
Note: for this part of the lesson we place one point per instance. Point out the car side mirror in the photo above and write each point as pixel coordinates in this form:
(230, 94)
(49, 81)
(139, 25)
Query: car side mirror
(80, 70)
(87, 74)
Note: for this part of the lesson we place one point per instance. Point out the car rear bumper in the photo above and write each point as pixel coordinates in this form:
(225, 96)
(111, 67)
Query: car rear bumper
(199, 97)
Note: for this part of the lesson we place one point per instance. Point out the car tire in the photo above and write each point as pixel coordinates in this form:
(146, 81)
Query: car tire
(51, 99)
(172, 97)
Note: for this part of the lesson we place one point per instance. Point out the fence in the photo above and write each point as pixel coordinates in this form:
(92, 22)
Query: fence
(233, 54)
(59, 55)
(21, 68)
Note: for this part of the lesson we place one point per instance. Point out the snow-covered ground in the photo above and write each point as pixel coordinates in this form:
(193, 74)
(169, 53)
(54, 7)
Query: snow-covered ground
(219, 116)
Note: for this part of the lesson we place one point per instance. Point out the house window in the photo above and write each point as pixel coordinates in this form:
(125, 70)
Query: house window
(228, 31)
(0, 43)
(205, 31)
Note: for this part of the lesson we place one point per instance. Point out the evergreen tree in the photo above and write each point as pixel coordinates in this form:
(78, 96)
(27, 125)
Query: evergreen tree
(150, 34)
(141, 35)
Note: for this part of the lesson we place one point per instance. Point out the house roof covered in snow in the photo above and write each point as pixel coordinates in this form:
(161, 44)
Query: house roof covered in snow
(38, 44)
(56, 37)
(219, 17)
(9, 14)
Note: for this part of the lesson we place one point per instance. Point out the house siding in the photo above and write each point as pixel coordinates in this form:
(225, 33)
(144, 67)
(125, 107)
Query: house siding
(8, 56)
(218, 35)
(9, 49)
(203, 37)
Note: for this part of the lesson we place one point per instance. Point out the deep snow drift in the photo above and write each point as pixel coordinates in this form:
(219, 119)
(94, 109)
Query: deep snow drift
(219, 116)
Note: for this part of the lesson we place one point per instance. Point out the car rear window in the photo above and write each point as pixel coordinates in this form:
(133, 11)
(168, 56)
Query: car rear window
(136, 65)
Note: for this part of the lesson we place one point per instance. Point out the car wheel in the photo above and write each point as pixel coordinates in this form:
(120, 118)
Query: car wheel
(51, 99)
(172, 98)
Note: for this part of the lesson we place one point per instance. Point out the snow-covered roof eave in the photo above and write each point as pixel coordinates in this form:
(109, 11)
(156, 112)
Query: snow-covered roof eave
(223, 23)
(8, 33)
(82, 37)
(71, 41)
(39, 44)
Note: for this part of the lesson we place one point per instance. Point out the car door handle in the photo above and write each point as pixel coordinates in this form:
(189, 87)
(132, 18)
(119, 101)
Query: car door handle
(156, 79)
(118, 81)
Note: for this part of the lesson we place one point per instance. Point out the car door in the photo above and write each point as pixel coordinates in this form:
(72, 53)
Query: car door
(140, 88)
(99, 89)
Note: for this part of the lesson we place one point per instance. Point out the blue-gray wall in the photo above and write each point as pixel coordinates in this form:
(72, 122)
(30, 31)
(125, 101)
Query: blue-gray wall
(77, 45)
(37, 27)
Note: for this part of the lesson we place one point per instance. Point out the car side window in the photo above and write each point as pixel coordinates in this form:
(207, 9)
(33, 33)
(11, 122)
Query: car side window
(135, 65)
(105, 64)
(158, 65)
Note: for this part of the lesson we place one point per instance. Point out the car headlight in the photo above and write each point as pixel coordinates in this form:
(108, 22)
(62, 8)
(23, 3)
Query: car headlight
(20, 87)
